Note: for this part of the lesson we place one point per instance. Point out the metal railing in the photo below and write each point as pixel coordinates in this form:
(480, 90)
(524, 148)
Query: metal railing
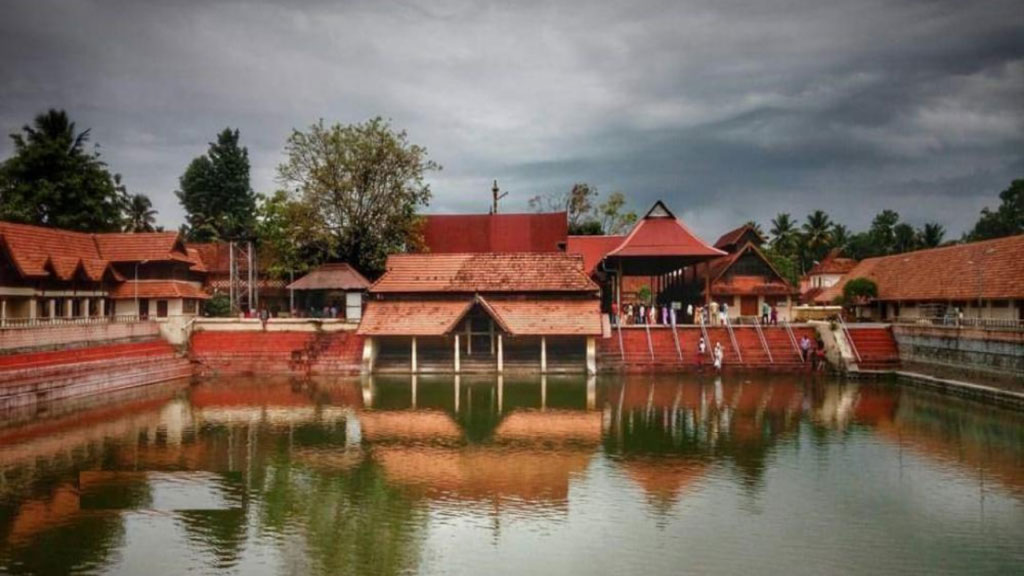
(849, 338)
(622, 348)
(951, 322)
(707, 339)
(732, 337)
(764, 341)
(792, 338)
(650, 345)
(45, 322)
(675, 336)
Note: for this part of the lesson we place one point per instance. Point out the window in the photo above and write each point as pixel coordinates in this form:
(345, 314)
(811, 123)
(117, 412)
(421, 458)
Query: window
(188, 306)
(1000, 303)
(161, 308)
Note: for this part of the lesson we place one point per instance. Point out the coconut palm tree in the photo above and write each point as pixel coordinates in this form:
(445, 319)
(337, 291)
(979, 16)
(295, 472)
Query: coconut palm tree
(816, 236)
(784, 234)
(140, 216)
(840, 236)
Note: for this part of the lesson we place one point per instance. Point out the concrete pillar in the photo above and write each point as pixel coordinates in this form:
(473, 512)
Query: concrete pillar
(103, 306)
(69, 307)
(469, 338)
(491, 330)
(591, 355)
(86, 309)
(53, 308)
(501, 355)
(591, 392)
(33, 308)
(413, 354)
(457, 355)
(369, 354)
(3, 312)
(543, 355)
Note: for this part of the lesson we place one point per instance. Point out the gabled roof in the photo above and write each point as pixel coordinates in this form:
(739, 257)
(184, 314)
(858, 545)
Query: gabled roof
(158, 289)
(480, 233)
(412, 317)
(745, 284)
(39, 252)
(732, 238)
(337, 276)
(492, 272)
(659, 233)
(833, 264)
(988, 270)
(592, 248)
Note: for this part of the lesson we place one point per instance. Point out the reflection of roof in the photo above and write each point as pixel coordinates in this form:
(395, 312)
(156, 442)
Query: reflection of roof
(468, 273)
(337, 276)
(592, 248)
(659, 233)
(992, 269)
(478, 233)
(551, 425)
(664, 478)
(158, 289)
(408, 425)
(521, 476)
(581, 317)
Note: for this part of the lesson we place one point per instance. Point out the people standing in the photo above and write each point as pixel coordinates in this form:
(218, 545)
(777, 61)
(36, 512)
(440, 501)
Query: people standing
(615, 313)
(805, 347)
(643, 314)
(775, 315)
(689, 313)
(664, 314)
(714, 312)
(766, 312)
(719, 356)
(724, 312)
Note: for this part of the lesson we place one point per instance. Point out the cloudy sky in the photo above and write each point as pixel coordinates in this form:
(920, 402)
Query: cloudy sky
(728, 110)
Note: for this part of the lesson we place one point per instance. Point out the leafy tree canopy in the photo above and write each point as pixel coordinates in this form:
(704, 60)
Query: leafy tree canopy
(586, 217)
(361, 185)
(859, 290)
(1007, 220)
(215, 193)
(52, 180)
(139, 214)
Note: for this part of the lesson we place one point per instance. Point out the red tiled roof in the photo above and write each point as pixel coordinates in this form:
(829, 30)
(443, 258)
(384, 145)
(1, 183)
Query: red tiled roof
(732, 237)
(36, 250)
(750, 285)
(412, 317)
(480, 233)
(988, 270)
(196, 258)
(338, 276)
(548, 317)
(139, 246)
(592, 248)
(833, 264)
(158, 289)
(659, 233)
(470, 273)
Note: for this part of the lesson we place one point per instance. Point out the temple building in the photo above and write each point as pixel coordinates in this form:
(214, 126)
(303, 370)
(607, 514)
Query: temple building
(824, 274)
(216, 257)
(52, 274)
(983, 280)
(482, 312)
(336, 285)
(746, 279)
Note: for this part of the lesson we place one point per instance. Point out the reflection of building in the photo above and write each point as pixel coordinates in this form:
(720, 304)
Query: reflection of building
(50, 273)
(982, 279)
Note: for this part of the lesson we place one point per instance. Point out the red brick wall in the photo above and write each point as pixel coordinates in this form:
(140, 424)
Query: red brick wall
(277, 352)
(62, 336)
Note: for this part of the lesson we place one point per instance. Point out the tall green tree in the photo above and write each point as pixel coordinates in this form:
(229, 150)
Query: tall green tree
(614, 217)
(363, 183)
(816, 237)
(904, 238)
(840, 236)
(52, 180)
(1007, 220)
(215, 192)
(785, 236)
(584, 215)
(139, 214)
(931, 235)
(291, 235)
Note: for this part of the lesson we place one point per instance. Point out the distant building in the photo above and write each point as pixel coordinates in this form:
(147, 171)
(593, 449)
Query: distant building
(337, 286)
(982, 279)
(733, 240)
(498, 233)
(824, 274)
(746, 279)
(47, 273)
(216, 259)
(466, 312)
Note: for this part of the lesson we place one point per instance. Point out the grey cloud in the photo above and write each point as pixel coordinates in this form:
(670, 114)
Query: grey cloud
(728, 110)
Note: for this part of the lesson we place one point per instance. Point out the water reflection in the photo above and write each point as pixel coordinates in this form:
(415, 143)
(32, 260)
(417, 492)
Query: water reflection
(362, 476)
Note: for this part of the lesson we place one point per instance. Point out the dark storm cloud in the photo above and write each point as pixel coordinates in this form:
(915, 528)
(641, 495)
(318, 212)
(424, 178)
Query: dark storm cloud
(728, 110)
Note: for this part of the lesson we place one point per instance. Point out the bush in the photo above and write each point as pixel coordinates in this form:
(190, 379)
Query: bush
(644, 294)
(218, 307)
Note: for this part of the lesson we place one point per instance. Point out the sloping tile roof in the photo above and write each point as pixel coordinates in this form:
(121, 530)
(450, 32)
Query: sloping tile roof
(338, 276)
(833, 264)
(592, 248)
(745, 285)
(158, 289)
(732, 237)
(36, 250)
(989, 270)
(139, 246)
(480, 233)
(470, 273)
(412, 317)
(659, 233)
(548, 317)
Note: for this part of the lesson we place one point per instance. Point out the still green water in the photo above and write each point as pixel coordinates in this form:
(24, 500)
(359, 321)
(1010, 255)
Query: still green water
(622, 475)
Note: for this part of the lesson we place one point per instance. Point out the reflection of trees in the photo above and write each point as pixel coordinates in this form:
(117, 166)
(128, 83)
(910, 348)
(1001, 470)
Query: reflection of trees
(352, 521)
(223, 531)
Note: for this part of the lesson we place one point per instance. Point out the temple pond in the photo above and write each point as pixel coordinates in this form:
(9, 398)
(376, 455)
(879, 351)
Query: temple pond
(618, 475)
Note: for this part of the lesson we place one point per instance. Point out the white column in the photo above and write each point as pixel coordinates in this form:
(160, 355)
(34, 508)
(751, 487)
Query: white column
(33, 308)
(591, 355)
(69, 307)
(413, 354)
(53, 308)
(369, 355)
(501, 355)
(86, 311)
(456, 355)
(491, 330)
(103, 306)
(469, 337)
(543, 355)
(414, 387)
(3, 312)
